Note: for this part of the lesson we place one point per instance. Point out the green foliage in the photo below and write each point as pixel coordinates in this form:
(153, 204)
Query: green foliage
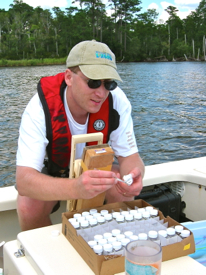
(33, 36)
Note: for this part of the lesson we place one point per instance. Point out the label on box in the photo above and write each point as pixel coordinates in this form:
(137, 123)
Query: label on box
(100, 151)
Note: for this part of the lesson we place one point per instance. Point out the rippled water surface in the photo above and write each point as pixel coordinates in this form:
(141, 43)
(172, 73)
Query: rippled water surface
(168, 101)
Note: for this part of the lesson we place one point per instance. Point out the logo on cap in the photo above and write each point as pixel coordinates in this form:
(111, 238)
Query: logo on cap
(99, 125)
(103, 55)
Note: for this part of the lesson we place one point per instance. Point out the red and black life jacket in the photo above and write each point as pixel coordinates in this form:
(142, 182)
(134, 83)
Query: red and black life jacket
(51, 93)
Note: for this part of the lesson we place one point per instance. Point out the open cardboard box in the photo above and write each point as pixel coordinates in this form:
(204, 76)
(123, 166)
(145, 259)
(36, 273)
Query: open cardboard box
(103, 265)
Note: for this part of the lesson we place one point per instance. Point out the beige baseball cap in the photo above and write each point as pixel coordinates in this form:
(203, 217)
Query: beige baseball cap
(95, 60)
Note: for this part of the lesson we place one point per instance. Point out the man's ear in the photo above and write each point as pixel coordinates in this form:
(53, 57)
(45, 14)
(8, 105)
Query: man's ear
(68, 77)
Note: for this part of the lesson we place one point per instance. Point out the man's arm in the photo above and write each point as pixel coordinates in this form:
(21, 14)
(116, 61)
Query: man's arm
(134, 165)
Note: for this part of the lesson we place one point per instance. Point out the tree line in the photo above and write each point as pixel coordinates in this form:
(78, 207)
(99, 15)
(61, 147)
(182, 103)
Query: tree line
(36, 33)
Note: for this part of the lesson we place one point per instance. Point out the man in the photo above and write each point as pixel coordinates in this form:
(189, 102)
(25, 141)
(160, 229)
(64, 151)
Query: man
(83, 99)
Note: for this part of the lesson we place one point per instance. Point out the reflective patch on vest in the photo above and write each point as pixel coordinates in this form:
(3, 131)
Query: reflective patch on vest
(99, 125)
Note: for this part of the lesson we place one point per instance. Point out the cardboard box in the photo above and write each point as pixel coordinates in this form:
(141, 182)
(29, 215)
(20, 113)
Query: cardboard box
(104, 265)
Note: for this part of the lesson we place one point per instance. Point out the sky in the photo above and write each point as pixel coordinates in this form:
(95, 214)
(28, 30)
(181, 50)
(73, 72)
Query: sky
(184, 6)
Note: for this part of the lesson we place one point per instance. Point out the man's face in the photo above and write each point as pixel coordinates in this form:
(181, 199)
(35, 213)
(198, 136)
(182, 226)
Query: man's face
(84, 98)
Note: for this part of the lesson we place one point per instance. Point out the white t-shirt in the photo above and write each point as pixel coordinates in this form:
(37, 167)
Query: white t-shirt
(32, 140)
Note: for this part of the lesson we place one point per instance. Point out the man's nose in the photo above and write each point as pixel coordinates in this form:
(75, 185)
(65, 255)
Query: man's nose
(101, 91)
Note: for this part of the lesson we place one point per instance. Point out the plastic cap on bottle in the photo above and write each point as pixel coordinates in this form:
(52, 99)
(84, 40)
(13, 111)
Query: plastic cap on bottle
(115, 232)
(178, 228)
(92, 211)
(92, 243)
(89, 217)
(133, 211)
(120, 237)
(98, 248)
(84, 223)
(111, 240)
(115, 214)
(107, 247)
(102, 241)
(79, 219)
(124, 213)
(170, 231)
(85, 213)
(146, 214)
(141, 210)
(77, 215)
(138, 216)
(75, 224)
(154, 212)
(163, 233)
(128, 233)
(129, 217)
(185, 233)
(107, 235)
(149, 208)
(120, 218)
(71, 220)
(104, 212)
(100, 219)
(117, 245)
(133, 237)
(98, 237)
(93, 222)
(152, 234)
(108, 217)
(142, 236)
(125, 241)
(95, 215)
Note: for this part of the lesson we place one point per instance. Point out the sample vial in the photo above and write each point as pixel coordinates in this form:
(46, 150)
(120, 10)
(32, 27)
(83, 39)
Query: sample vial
(104, 212)
(115, 214)
(163, 233)
(185, 233)
(141, 210)
(120, 219)
(107, 249)
(71, 220)
(133, 238)
(98, 249)
(154, 213)
(120, 237)
(111, 240)
(108, 217)
(98, 237)
(146, 215)
(153, 236)
(76, 225)
(92, 211)
(128, 234)
(85, 213)
(171, 232)
(115, 232)
(92, 243)
(89, 217)
(149, 208)
(107, 235)
(125, 241)
(84, 224)
(95, 215)
(178, 229)
(138, 216)
(133, 211)
(101, 220)
(93, 222)
(77, 215)
(124, 213)
(102, 241)
(129, 218)
(142, 236)
(117, 247)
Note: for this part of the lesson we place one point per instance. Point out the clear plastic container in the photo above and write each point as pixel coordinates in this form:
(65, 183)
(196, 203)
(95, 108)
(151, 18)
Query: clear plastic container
(185, 233)
(153, 236)
(107, 249)
(117, 247)
(84, 224)
(93, 222)
(171, 232)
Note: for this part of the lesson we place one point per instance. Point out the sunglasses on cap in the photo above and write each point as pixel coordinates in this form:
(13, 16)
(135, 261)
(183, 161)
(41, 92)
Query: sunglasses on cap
(109, 85)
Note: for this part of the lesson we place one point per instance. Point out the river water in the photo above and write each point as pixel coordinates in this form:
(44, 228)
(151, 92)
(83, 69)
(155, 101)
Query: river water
(168, 101)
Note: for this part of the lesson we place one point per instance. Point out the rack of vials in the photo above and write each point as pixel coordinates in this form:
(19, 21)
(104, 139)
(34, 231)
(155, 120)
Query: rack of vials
(108, 233)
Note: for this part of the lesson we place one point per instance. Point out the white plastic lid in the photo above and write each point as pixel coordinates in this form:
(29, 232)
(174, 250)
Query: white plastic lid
(149, 208)
(84, 223)
(133, 237)
(93, 221)
(107, 235)
(178, 228)
(141, 210)
(117, 245)
(95, 215)
(120, 218)
(170, 231)
(138, 216)
(146, 214)
(98, 237)
(128, 233)
(108, 217)
(102, 241)
(111, 240)
(129, 217)
(85, 213)
(89, 217)
(115, 214)
(75, 224)
(98, 248)
(107, 247)
(77, 215)
(104, 212)
(125, 241)
(185, 233)
(92, 211)
(92, 243)
(133, 211)
(71, 220)
(115, 232)
(79, 219)
(120, 237)
(163, 233)
(152, 234)
(142, 236)
(124, 213)
(100, 219)
(154, 212)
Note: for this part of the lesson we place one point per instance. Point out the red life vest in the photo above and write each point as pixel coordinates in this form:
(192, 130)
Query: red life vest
(51, 93)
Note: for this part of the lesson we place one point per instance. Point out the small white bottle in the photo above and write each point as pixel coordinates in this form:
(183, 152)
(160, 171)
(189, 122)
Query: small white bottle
(101, 220)
(93, 223)
(84, 224)
(92, 243)
(120, 219)
(85, 213)
(92, 211)
(178, 229)
(107, 235)
(141, 210)
(115, 214)
(98, 237)
(89, 217)
(149, 208)
(98, 249)
(95, 215)
(171, 232)
(128, 234)
(154, 213)
(146, 215)
(76, 225)
(117, 248)
(153, 236)
(163, 237)
(71, 220)
(124, 243)
(133, 211)
(107, 249)
(115, 232)
(102, 241)
(104, 212)
(142, 236)
(111, 240)
(120, 237)
(129, 218)
(108, 218)
(77, 215)
(185, 233)
(138, 216)
(124, 213)
(133, 238)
